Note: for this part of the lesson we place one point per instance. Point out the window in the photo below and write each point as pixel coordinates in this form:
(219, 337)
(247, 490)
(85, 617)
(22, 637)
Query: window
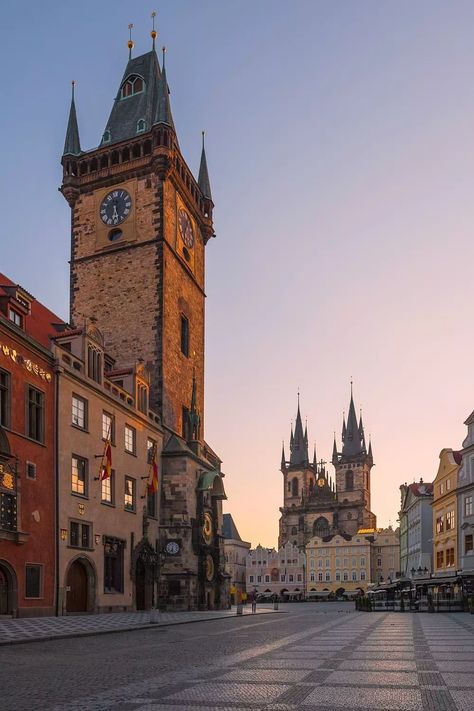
(251, 578)
(441, 489)
(338, 575)
(113, 565)
(33, 581)
(79, 412)
(468, 543)
(141, 125)
(15, 317)
(320, 563)
(450, 520)
(338, 562)
(328, 562)
(321, 527)
(267, 578)
(79, 535)
(291, 578)
(468, 506)
(107, 137)
(349, 480)
(282, 578)
(30, 470)
(130, 439)
(142, 398)
(354, 575)
(94, 363)
(35, 423)
(448, 484)
(439, 559)
(130, 494)
(328, 576)
(184, 336)
(362, 574)
(362, 562)
(449, 557)
(346, 575)
(354, 562)
(133, 85)
(299, 577)
(79, 476)
(320, 577)
(108, 489)
(108, 427)
(5, 398)
(439, 524)
(259, 578)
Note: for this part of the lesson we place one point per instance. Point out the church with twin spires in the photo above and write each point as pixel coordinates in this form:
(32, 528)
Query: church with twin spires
(318, 504)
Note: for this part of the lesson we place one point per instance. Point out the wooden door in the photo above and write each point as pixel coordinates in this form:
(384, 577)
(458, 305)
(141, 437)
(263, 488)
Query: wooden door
(4, 601)
(76, 600)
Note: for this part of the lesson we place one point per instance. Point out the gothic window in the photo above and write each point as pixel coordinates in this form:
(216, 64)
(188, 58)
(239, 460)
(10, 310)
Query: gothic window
(321, 527)
(294, 531)
(349, 480)
(94, 364)
(113, 565)
(184, 335)
(294, 487)
(131, 86)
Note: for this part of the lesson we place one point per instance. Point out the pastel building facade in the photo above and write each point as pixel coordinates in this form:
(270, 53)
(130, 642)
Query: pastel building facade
(445, 514)
(338, 564)
(465, 505)
(276, 572)
(235, 552)
(416, 522)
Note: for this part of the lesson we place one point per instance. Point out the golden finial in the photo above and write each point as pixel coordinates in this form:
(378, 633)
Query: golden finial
(130, 43)
(153, 33)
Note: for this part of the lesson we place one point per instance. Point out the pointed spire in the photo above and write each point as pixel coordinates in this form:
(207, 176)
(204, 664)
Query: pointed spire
(306, 432)
(315, 461)
(72, 144)
(203, 179)
(283, 458)
(299, 454)
(353, 441)
(344, 429)
(369, 454)
(292, 439)
(163, 109)
(334, 451)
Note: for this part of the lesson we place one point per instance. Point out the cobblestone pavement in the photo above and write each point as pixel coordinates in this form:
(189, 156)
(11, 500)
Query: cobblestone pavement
(318, 656)
(28, 629)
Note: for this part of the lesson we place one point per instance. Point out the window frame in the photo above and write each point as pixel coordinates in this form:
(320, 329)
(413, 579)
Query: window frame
(39, 408)
(110, 483)
(133, 507)
(184, 335)
(18, 320)
(112, 427)
(78, 458)
(84, 402)
(133, 430)
(80, 534)
(40, 568)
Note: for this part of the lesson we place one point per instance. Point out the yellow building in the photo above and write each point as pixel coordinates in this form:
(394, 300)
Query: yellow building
(339, 564)
(445, 542)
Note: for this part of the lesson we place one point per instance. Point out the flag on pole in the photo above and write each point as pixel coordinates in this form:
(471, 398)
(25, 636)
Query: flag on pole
(153, 481)
(106, 468)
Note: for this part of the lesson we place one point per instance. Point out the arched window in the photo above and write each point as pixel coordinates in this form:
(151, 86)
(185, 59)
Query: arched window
(311, 577)
(294, 487)
(321, 527)
(349, 480)
(141, 125)
(294, 531)
(131, 86)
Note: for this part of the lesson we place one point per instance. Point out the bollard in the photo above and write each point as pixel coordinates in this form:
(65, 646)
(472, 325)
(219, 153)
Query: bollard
(240, 609)
(275, 606)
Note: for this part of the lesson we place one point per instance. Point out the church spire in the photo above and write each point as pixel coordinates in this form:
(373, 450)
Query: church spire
(299, 452)
(203, 179)
(353, 441)
(163, 109)
(335, 456)
(283, 458)
(72, 144)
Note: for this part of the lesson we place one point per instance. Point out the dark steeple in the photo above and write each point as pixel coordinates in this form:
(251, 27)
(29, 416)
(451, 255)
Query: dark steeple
(163, 106)
(72, 144)
(283, 458)
(135, 105)
(353, 440)
(299, 449)
(335, 456)
(203, 179)
(370, 455)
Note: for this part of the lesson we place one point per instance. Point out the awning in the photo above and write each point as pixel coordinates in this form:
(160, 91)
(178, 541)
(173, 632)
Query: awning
(350, 593)
(318, 593)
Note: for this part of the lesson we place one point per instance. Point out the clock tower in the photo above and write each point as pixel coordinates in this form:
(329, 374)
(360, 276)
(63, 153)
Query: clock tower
(140, 223)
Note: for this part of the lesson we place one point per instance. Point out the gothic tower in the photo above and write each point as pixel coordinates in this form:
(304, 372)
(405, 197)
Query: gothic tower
(140, 223)
(353, 468)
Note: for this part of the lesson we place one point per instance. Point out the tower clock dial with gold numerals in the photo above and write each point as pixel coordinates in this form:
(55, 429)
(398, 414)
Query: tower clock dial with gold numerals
(115, 207)
(186, 228)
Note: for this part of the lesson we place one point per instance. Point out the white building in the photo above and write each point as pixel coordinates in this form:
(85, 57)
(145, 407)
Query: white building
(465, 504)
(271, 572)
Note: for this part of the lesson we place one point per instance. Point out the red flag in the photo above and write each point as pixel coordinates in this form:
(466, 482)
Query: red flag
(106, 471)
(153, 484)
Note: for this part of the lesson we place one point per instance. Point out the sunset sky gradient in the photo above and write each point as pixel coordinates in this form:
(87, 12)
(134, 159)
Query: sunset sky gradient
(340, 141)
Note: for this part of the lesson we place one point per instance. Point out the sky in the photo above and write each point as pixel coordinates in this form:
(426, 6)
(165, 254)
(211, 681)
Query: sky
(340, 145)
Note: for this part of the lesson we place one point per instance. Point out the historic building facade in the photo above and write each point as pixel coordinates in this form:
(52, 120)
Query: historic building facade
(465, 508)
(416, 523)
(140, 223)
(276, 572)
(445, 515)
(385, 554)
(27, 463)
(315, 505)
(108, 525)
(337, 564)
(235, 550)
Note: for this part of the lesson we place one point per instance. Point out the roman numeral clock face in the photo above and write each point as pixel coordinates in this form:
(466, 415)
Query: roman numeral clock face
(115, 207)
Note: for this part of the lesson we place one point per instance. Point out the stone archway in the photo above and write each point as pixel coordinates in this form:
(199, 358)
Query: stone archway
(80, 586)
(8, 589)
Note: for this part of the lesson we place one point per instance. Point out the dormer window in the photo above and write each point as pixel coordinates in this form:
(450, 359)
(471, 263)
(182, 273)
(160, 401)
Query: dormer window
(133, 85)
(94, 363)
(15, 317)
(107, 137)
(142, 397)
(141, 125)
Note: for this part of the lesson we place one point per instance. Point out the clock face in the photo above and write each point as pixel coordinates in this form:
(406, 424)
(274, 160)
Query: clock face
(172, 547)
(321, 482)
(186, 228)
(115, 207)
(207, 528)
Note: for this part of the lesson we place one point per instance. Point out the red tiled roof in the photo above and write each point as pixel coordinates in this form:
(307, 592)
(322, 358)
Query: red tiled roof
(422, 488)
(41, 324)
(115, 373)
(457, 457)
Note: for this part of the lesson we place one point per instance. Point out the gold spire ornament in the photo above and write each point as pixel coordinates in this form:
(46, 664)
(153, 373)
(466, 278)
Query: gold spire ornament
(130, 43)
(153, 33)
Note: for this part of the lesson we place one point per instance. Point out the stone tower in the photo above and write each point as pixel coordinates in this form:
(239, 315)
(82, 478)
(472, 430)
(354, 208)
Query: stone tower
(140, 223)
(353, 467)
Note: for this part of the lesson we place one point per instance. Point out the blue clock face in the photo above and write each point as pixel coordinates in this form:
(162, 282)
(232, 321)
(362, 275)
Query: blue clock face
(115, 207)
